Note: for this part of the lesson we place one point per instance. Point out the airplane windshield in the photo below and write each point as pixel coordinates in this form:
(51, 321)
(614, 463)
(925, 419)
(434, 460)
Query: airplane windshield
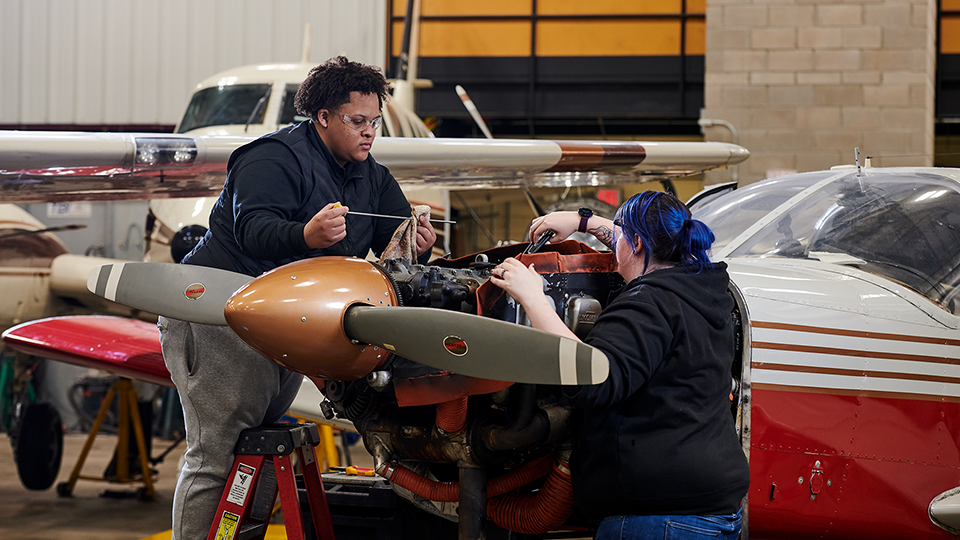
(904, 227)
(731, 214)
(288, 113)
(225, 105)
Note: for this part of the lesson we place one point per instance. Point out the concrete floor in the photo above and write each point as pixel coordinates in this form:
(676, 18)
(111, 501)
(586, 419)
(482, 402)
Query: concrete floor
(43, 515)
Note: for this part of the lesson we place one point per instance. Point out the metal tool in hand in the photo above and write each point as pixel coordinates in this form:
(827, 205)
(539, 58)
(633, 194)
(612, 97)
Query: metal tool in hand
(395, 217)
(544, 238)
(389, 216)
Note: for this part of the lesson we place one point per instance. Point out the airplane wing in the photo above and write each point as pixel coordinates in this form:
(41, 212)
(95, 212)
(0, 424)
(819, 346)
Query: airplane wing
(61, 166)
(125, 347)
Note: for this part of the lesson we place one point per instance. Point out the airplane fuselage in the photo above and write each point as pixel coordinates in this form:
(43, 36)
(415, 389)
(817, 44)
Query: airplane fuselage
(853, 402)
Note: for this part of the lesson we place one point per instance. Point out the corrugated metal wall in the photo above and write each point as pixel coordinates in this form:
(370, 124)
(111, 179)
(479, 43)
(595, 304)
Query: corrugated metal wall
(120, 62)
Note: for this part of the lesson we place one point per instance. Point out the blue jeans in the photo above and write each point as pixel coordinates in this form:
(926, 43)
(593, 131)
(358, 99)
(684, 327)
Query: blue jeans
(670, 527)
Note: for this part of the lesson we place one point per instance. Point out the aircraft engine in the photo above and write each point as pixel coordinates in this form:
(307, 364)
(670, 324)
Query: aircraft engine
(480, 402)
(422, 424)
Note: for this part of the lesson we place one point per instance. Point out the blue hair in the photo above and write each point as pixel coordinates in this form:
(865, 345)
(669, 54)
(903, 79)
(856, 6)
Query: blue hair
(666, 229)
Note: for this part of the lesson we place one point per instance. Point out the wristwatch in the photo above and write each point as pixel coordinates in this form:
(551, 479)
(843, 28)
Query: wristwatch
(585, 215)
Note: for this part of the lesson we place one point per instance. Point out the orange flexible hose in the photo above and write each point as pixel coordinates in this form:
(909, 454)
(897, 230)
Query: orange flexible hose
(450, 491)
(536, 513)
(452, 415)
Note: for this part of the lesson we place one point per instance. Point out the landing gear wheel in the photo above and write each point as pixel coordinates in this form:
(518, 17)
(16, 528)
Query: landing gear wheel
(39, 446)
(63, 489)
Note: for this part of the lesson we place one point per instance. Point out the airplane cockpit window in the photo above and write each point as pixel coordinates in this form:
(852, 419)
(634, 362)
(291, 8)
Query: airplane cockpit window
(225, 105)
(731, 214)
(288, 113)
(903, 227)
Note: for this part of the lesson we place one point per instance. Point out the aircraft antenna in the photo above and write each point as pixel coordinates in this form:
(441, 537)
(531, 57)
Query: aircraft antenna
(856, 158)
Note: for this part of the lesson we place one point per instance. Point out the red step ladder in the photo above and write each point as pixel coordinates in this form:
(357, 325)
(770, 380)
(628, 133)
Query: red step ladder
(247, 500)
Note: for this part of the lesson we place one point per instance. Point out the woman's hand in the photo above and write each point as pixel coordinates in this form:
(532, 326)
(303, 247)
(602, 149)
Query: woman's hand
(326, 227)
(563, 223)
(567, 223)
(525, 285)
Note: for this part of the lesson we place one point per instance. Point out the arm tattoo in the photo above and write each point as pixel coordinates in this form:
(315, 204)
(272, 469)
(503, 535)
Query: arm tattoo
(603, 234)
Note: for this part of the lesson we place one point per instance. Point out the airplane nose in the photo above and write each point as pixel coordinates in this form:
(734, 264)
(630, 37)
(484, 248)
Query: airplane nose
(293, 315)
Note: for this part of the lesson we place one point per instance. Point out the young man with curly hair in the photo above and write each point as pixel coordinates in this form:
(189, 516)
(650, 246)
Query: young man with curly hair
(285, 198)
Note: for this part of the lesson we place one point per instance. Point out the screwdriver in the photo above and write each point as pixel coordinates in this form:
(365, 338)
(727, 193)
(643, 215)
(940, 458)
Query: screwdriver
(387, 216)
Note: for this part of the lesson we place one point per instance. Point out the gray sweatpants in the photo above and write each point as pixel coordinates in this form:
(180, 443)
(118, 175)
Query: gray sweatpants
(225, 387)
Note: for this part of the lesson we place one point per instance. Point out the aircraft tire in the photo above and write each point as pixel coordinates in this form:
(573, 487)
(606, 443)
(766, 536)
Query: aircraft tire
(39, 447)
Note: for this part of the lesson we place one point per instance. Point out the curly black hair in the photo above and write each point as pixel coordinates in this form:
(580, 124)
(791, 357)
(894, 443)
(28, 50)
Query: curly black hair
(328, 85)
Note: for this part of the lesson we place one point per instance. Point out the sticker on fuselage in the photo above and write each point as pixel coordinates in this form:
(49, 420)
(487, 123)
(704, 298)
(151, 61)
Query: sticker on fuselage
(227, 528)
(194, 291)
(241, 484)
(455, 345)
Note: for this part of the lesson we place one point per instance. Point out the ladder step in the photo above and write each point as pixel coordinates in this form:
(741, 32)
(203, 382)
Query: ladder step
(251, 530)
(276, 440)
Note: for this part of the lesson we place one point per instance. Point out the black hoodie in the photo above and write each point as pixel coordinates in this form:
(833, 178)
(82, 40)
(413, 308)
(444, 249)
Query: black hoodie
(276, 184)
(658, 437)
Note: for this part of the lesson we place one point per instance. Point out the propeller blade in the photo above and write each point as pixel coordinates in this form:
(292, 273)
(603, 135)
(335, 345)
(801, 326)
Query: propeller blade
(180, 291)
(477, 346)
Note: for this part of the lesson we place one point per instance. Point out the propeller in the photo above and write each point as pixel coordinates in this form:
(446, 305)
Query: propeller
(477, 346)
(186, 292)
(338, 318)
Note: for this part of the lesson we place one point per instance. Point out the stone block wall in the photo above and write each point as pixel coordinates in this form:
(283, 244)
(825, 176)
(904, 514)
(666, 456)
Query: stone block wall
(805, 81)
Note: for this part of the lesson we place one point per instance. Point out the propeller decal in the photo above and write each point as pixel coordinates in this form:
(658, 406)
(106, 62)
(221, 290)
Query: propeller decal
(194, 291)
(455, 345)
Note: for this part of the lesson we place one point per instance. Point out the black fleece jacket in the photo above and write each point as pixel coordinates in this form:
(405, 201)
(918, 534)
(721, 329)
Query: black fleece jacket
(657, 437)
(275, 185)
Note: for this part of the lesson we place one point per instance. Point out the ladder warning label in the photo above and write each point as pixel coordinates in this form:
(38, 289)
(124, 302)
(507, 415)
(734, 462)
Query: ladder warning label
(227, 528)
(241, 484)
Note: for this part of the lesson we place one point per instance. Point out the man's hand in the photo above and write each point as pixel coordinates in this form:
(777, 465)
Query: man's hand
(326, 227)
(426, 236)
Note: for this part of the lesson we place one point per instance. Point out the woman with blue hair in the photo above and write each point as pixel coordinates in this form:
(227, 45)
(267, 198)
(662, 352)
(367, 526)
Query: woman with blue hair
(656, 453)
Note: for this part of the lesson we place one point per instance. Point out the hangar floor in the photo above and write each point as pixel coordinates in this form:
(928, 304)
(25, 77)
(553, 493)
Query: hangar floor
(42, 515)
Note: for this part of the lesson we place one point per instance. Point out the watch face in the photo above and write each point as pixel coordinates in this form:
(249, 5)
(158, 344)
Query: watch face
(585, 212)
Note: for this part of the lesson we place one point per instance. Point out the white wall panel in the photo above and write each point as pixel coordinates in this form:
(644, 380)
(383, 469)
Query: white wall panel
(144, 76)
(117, 40)
(230, 34)
(62, 63)
(35, 83)
(203, 34)
(90, 82)
(257, 30)
(287, 29)
(10, 60)
(173, 63)
(137, 61)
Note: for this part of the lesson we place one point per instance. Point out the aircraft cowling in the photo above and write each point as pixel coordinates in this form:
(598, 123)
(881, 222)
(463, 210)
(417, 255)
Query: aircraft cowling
(294, 315)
